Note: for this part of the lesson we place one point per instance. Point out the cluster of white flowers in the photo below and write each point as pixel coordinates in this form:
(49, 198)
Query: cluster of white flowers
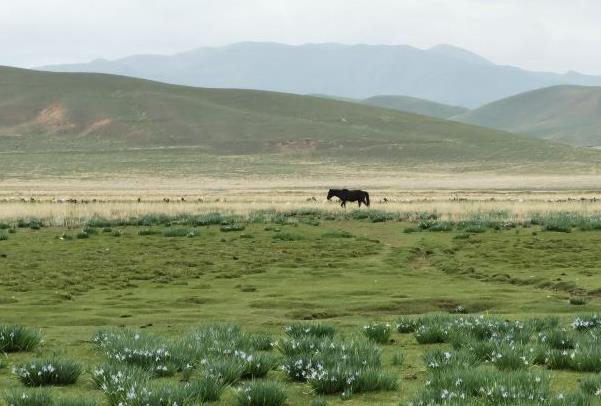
(377, 328)
(586, 323)
(533, 389)
(46, 370)
(125, 388)
(436, 362)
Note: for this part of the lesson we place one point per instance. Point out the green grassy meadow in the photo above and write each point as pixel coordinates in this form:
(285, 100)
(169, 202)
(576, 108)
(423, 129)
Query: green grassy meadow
(264, 276)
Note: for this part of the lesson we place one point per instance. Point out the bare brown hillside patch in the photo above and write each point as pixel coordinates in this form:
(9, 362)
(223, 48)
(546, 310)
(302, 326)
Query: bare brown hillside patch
(97, 125)
(54, 118)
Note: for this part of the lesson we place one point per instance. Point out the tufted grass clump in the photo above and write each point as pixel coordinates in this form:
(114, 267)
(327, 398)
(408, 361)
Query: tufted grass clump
(261, 393)
(298, 330)
(431, 333)
(347, 380)
(439, 360)
(284, 236)
(127, 385)
(511, 357)
(179, 232)
(14, 338)
(591, 385)
(559, 339)
(228, 370)
(48, 372)
(337, 234)
(232, 227)
(378, 332)
(484, 386)
(28, 397)
(89, 230)
(398, 358)
(115, 380)
(207, 388)
(436, 225)
(333, 366)
(76, 401)
(226, 352)
(571, 399)
(99, 222)
(586, 322)
(137, 349)
(559, 359)
(82, 235)
(148, 231)
(155, 394)
(559, 223)
(405, 325)
(578, 301)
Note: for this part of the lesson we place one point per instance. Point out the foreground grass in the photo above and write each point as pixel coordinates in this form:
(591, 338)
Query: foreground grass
(344, 272)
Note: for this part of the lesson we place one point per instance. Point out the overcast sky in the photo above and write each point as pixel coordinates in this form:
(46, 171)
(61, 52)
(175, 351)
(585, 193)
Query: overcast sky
(551, 35)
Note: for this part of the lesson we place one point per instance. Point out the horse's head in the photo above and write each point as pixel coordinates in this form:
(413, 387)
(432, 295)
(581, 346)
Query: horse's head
(330, 194)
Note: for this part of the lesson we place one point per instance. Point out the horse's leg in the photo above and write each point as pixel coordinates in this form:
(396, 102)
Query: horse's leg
(359, 201)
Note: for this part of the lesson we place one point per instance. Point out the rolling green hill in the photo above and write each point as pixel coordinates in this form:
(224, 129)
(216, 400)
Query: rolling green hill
(43, 112)
(568, 114)
(415, 105)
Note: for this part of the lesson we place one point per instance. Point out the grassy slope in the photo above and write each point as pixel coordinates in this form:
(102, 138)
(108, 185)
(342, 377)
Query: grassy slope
(569, 114)
(94, 112)
(72, 288)
(415, 105)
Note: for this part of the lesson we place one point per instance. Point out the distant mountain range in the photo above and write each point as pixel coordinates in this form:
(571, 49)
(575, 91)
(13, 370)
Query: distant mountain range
(444, 74)
(567, 114)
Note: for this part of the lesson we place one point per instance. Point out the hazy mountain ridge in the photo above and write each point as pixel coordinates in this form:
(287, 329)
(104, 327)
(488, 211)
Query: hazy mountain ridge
(444, 74)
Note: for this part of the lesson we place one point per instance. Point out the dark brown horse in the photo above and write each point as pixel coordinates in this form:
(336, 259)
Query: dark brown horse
(346, 195)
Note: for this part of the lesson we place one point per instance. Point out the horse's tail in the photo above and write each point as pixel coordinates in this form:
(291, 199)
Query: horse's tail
(367, 199)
